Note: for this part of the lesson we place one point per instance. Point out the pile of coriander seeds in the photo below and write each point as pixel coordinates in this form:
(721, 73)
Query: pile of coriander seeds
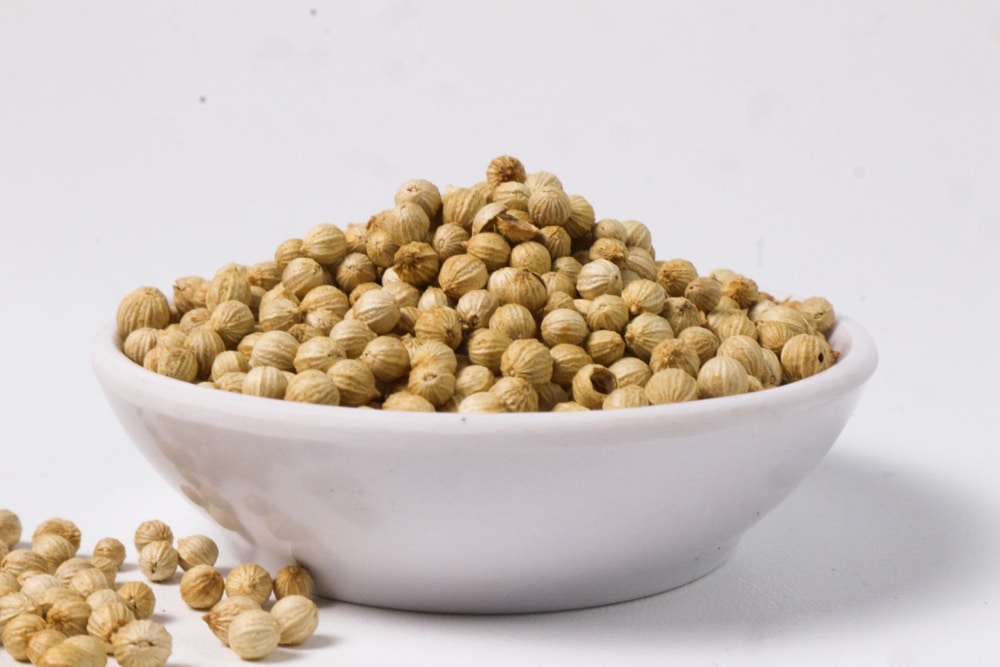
(62, 608)
(505, 296)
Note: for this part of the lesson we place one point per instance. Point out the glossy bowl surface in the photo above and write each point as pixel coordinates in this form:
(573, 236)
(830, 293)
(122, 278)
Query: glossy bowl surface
(485, 513)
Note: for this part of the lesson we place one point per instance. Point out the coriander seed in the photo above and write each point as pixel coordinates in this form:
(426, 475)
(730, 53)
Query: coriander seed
(297, 617)
(142, 643)
(202, 586)
(250, 580)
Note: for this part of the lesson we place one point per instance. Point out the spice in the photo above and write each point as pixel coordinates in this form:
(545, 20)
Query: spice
(514, 257)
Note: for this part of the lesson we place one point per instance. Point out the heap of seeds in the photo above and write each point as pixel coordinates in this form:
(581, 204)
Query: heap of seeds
(505, 296)
(59, 607)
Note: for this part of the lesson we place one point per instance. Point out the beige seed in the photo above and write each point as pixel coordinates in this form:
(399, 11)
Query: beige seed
(722, 376)
(378, 310)
(106, 619)
(19, 561)
(514, 320)
(70, 567)
(462, 273)
(528, 359)
(675, 353)
(516, 393)
(482, 401)
(742, 290)
(592, 384)
(475, 308)
(107, 567)
(549, 205)
(680, 313)
(250, 580)
(581, 217)
(670, 385)
(805, 355)
(264, 274)
(607, 311)
(325, 243)
(230, 361)
(297, 617)
(254, 634)
(110, 548)
(229, 283)
(745, 350)
(433, 382)
(103, 596)
(441, 323)
(67, 615)
(472, 379)
(177, 362)
(599, 277)
(820, 311)
(139, 597)
(143, 307)
(355, 382)
(158, 560)
(8, 584)
(568, 406)
(293, 580)
(142, 643)
(312, 386)
(266, 382)
(532, 256)
(41, 641)
(79, 651)
(629, 396)
(511, 194)
(704, 292)
(564, 325)
(14, 604)
(519, 286)
(196, 550)
(644, 296)
(702, 340)
(567, 360)
(630, 370)
(674, 275)
(202, 586)
(54, 548)
(406, 401)
(460, 205)
(189, 293)
(222, 614)
(232, 320)
(416, 263)
(449, 240)
(421, 192)
(604, 347)
(486, 347)
(490, 248)
(275, 348)
(644, 332)
(139, 343)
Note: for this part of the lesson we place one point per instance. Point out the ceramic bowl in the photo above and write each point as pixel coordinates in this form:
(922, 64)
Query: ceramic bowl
(486, 513)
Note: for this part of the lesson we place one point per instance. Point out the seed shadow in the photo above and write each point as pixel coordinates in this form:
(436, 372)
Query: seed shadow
(854, 540)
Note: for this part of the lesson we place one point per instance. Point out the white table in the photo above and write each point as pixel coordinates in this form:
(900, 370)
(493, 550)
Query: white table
(849, 151)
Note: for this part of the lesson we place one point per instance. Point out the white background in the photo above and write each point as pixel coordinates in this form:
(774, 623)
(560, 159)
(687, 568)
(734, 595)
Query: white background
(846, 149)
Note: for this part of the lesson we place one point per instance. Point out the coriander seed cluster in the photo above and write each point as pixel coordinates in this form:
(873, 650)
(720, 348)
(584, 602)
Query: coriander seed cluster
(505, 296)
(61, 609)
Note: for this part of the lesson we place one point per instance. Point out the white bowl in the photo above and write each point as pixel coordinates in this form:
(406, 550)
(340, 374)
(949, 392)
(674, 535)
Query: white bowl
(486, 513)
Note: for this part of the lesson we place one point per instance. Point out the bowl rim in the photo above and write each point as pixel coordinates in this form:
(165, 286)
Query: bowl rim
(856, 364)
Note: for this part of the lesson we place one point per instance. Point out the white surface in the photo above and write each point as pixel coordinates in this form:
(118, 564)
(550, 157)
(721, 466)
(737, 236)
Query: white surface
(848, 150)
